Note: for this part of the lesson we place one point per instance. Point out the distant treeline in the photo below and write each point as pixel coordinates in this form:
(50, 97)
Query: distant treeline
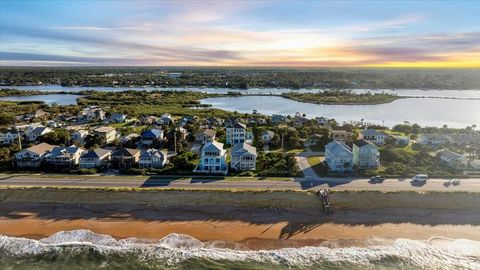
(243, 78)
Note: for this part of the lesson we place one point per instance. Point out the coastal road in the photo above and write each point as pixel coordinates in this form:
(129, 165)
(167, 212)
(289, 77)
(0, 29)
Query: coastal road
(472, 185)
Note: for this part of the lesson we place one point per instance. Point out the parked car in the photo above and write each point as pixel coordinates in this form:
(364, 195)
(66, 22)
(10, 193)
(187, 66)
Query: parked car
(376, 179)
(420, 178)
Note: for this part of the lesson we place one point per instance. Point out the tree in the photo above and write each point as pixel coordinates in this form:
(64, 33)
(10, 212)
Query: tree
(6, 118)
(57, 136)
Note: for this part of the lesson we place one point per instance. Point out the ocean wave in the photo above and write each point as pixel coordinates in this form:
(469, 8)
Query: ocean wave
(176, 250)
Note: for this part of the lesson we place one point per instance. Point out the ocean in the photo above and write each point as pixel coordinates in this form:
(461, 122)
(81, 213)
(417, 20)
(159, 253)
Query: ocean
(83, 249)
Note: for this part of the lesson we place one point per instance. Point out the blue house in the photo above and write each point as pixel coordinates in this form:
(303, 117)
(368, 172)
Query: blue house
(149, 136)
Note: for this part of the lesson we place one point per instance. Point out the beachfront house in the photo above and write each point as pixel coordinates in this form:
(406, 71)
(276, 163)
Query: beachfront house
(339, 157)
(243, 157)
(96, 158)
(150, 136)
(32, 156)
(106, 134)
(152, 158)
(365, 155)
(212, 159)
(236, 132)
(125, 158)
(64, 156)
(373, 136)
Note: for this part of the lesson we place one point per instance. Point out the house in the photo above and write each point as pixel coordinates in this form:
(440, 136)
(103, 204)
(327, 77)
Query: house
(151, 135)
(9, 137)
(32, 156)
(278, 119)
(125, 158)
(149, 120)
(38, 114)
(434, 139)
(365, 155)
(107, 134)
(373, 136)
(152, 158)
(80, 135)
(267, 136)
(96, 158)
(33, 135)
(213, 122)
(339, 157)
(236, 132)
(91, 113)
(118, 118)
(402, 140)
(321, 121)
(188, 119)
(243, 157)
(183, 133)
(213, 159)
(129, 137)
(299, 121)
(166, 119)
(453, 159)
(64, 156)
(52, 124)
(313, 139)
(341, 133)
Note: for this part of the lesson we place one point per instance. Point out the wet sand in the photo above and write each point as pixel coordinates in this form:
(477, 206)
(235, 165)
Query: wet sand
(253, 228)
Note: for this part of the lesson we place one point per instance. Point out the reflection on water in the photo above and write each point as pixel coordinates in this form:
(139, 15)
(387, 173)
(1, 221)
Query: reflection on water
(60, 99)
(424, 111)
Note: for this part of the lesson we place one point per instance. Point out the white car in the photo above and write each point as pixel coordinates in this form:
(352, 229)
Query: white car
(420, 178)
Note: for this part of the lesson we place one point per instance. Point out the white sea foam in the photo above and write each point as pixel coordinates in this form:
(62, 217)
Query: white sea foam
(436, 253)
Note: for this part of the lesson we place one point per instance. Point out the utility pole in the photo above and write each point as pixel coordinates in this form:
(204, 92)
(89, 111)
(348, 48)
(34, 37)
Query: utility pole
(175, 140)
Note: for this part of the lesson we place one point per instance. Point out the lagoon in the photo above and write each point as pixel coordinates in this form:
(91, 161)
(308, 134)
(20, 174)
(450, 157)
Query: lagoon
(59, 99)
(456, 113)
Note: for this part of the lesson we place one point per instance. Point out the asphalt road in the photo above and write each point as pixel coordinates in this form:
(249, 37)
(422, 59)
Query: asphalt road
(472, 185)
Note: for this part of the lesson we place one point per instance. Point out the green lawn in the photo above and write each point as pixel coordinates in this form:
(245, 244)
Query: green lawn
(317, 164)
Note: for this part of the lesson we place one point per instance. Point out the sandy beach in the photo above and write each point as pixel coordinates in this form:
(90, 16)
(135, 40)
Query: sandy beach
(252, 228)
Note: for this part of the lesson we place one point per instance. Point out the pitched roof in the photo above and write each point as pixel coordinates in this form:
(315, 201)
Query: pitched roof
(336, 147)
(208, 131)
(241, 148)
(371, 132)
(153, 133)
(151, 153)
(104, 129)
(236, 125)
(128, 152)
(96, 153)
(268, 132)
(41, 148)
(363, 142)
(213, 146)
(40, 130)
(59, 150)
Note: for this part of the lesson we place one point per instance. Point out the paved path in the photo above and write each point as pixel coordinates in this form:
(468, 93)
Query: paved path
(159, 182)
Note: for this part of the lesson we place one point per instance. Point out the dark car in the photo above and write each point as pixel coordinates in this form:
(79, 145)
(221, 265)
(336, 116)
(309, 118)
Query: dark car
(377, 179)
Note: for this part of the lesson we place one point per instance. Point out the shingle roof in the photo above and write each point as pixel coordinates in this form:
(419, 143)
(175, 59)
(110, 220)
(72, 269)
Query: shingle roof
(104, 129)
(96, 153)
(208, 131)
(41, 148)
(128, 152)
(152, 133)
(336, 147)
(242, 148)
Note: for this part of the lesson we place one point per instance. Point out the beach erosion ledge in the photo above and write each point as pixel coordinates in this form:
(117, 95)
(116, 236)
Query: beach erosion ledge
(256, 219)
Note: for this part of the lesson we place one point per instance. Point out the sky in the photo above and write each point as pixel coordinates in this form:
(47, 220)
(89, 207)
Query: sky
(443, 34)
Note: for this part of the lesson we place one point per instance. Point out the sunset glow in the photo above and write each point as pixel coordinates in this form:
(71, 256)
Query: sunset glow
(242, 33)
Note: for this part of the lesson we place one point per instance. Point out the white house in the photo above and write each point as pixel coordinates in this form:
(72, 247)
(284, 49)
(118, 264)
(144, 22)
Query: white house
(9, 137)
(33, 135)
(33, 156)
(213, 159)
(339, 157)
(453, 159)
(235, 133)
(108, 134)
(243, 157)
(267, 135)
(118, 118)
(80, 135)
(152, 158)
(96, 158)
(91, 113)
(166, 119)
(322, 121)
(365, 155)
(434, 139)
(65, 156)
(373, 136)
